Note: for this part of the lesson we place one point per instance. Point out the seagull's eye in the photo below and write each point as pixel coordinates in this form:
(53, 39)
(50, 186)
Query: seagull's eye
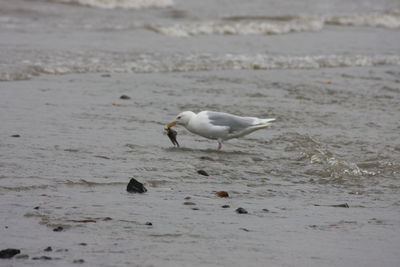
(179, 117)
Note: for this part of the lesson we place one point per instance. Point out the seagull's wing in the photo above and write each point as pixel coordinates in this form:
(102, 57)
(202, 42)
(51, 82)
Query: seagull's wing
(232, 122)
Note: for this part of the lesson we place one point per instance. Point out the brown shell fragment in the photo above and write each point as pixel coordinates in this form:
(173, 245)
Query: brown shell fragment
(222, 194)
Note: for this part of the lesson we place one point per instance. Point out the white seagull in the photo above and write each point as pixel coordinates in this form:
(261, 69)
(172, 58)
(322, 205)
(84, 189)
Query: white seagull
(218, 125)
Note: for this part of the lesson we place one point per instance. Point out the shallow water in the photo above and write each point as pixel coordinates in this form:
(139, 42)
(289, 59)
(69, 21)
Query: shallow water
(334, 91)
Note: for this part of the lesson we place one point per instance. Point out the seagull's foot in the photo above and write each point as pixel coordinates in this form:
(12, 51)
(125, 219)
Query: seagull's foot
(219, 145)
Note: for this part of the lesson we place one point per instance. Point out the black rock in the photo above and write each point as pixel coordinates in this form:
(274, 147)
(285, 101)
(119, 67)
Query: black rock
(203, 172)
(241, 211)
(58, 229)
(36, 208)
(48, 249)
(125, 97)
(83, 244)
(149, 223)
(42, 258)
(15, 135)
(79, 261)
(225, 206)
(9, 253)
(135, 187)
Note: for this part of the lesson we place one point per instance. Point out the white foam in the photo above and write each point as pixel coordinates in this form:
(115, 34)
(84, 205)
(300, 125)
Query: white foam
(240, 28)
(370, 20)
(150, 63)
(134, 4)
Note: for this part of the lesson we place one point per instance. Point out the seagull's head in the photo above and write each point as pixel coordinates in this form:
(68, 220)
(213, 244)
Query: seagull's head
(183, 119)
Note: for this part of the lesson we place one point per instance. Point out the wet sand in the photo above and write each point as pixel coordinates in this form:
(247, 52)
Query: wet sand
(80, 143)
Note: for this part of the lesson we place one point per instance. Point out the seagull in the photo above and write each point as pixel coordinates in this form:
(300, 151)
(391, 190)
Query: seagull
(218, 126)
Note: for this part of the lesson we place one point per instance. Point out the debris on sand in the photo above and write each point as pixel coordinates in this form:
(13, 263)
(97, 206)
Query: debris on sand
(9, 253)
(344, 205)
(135, 186)
(222, 194)
(58, 229)
(125, 97)
(203, 172)
(241, 211)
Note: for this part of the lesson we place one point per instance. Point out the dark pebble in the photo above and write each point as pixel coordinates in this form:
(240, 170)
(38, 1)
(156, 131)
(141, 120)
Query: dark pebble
(15, 135)
(62, 250)
(203, 172)
(188, 203)
(79, 261)
(195, 208)
(125, 97)
(241, 211)
(266, 210)
(48, 249)
(9, 253)
(225, 206)
(106, 75)
(135, 187)
(149, 223)
(42, 258)
(36, 208)
(58, 229)
(83, 244)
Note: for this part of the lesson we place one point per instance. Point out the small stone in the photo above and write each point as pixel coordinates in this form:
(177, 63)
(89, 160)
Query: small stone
(36, 208)
(48, 249)
(9, 253)
(135, 187)
(188, 203)
(225, 206)
(42, 258)
(149, 223)
(83, 244)
(106, 75)
(62, 250)
(241, 211)
(203, 172)
(266, 210)
(58, 229)
(125, 97)
(187, 198)
(79, 261)
(21, 256)
(15, 135)
(195, 208)
(222, 194)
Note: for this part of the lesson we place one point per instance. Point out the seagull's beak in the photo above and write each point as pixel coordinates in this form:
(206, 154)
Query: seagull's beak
(170, 124)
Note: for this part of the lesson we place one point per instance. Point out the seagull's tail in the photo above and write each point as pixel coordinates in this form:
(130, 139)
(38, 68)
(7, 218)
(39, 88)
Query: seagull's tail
(266, 122)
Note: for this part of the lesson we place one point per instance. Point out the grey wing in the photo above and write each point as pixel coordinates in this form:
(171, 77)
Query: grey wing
(235, 123)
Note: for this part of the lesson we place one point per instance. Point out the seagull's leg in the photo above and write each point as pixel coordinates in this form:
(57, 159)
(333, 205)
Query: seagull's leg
(219, 144)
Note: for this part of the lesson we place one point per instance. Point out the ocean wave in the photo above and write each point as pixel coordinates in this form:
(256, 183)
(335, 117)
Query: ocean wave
(240, 28)
(126, 4)
(149, 63)
(264, 25)
(389, 20)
